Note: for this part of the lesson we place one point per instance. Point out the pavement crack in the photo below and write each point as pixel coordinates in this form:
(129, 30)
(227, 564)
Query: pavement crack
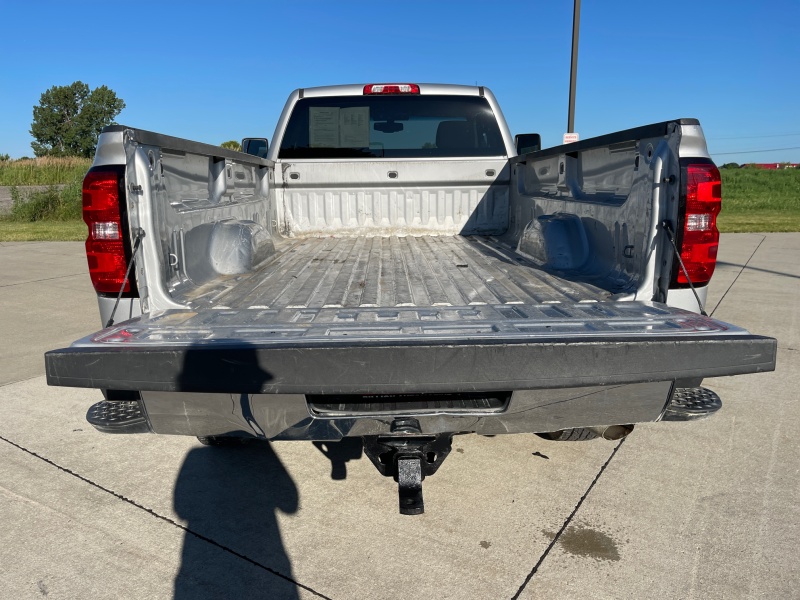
(730, 287)
(566, 523)
(41, 280)
(172, 522)
(7, 383)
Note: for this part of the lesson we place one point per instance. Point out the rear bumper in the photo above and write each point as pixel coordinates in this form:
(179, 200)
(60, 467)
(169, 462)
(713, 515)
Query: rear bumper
(288, 416)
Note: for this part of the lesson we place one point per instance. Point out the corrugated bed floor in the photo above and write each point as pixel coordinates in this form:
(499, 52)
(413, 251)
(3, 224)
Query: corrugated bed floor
(400, 271)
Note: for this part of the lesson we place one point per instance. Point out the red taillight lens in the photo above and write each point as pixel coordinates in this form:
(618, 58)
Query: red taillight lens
(105, 249)
(391, 88)
(700, 241)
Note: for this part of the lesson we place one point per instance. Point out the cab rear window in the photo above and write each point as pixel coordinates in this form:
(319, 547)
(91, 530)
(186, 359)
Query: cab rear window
(392, 127)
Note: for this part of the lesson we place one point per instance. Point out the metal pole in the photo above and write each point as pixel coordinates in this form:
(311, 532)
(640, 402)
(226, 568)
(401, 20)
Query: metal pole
(573, 72)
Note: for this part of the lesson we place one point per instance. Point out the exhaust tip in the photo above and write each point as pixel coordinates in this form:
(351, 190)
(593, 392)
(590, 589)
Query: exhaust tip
(613, 432)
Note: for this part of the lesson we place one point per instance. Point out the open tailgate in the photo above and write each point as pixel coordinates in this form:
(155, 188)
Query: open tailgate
(408, 349)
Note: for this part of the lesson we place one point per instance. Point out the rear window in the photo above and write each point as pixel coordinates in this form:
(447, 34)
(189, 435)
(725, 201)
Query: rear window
(391, 127)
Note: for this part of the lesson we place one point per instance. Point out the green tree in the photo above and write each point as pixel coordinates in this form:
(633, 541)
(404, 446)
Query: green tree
(68, 119)
(232, 145)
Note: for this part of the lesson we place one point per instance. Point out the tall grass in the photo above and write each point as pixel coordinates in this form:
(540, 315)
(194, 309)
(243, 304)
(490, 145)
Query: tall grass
(52, 204)
(59, 201)
(48, 170)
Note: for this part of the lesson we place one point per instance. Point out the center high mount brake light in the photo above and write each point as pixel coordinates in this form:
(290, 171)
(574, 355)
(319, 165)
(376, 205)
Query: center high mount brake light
(390, 88)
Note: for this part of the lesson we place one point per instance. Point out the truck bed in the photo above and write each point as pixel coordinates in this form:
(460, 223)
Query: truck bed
(540, 280)
(386, 272)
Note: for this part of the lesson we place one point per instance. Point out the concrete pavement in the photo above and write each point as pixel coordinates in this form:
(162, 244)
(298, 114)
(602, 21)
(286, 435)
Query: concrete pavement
(702, 510)
(45, 295)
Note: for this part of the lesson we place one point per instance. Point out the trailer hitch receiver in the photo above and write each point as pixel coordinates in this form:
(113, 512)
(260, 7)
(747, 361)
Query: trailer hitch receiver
(408, 456)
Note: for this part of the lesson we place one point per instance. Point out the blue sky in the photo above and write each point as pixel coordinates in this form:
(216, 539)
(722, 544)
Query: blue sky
(214, 71)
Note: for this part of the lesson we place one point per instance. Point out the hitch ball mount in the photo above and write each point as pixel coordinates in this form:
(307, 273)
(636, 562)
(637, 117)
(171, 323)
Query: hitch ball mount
(408, 456)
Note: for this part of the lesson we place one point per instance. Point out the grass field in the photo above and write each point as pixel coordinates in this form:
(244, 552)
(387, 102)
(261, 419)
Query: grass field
(760, 200)
(43, 171)
(753, 200)
(42, 231)
(49, 214)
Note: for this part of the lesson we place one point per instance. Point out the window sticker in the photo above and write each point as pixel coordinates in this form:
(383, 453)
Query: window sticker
(334, 127)
(354, 127)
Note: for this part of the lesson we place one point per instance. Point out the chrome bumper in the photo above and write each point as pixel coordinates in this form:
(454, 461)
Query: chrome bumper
(289, 416)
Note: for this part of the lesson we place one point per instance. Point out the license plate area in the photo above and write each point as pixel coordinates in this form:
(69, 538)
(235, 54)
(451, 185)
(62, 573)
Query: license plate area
(408, 404)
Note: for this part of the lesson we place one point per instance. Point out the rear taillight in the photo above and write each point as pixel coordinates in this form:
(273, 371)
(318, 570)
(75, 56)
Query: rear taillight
(701, 198)
(391, 88)
(105, 246)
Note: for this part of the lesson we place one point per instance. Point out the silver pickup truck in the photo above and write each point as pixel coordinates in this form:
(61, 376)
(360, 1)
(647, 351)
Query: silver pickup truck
(397, 267)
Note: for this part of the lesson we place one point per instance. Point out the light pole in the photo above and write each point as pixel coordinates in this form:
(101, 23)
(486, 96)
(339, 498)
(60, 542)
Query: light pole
(573, 72)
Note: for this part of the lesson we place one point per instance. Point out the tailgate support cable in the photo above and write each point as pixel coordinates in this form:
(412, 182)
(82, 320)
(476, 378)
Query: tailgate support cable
(136, 243)
(671, 235)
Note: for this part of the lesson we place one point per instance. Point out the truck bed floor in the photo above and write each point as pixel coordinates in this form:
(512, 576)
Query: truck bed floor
(396, 271)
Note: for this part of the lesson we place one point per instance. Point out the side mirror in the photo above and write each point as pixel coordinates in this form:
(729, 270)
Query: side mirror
(255, 146)
(527, 142)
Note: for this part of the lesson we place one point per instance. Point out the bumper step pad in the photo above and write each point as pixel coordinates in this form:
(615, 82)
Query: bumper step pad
(689, 404)
(118, 416)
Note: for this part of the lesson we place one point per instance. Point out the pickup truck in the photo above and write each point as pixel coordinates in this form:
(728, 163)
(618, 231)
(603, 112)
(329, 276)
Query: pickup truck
(397, 267)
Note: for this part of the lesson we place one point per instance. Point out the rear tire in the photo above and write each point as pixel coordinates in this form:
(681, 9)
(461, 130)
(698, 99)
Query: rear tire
(579, 434)
(222, 441)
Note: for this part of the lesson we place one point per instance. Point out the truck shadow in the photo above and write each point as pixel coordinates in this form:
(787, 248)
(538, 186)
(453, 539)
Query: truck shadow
(228, 499)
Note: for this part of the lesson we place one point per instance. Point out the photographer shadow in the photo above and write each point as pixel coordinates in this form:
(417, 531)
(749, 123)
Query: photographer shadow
(229, 498)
